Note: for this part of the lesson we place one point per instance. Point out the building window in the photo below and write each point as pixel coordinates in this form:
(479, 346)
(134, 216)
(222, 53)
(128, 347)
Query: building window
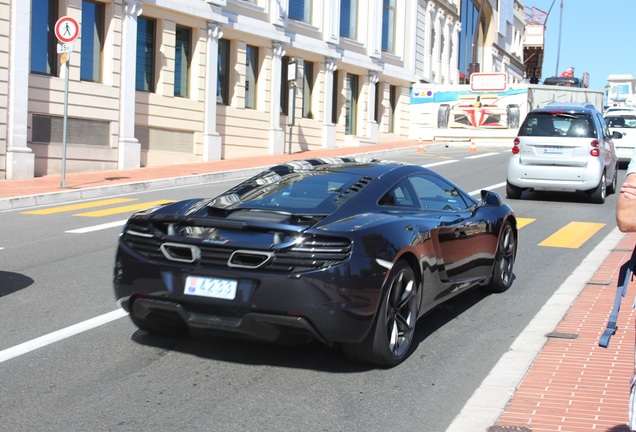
(92, 41)
(348, 18)
(284, 86)
(351, 104)
(43, 40)
(145, 80)
(223, 78)
(308, 88)
(300, 10)
(251, 76)
(335, 93)
(393, 99)
(388, 26)
(182, 58)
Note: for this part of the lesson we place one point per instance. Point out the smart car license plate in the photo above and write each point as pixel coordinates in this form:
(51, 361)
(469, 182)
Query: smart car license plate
(210, 287)
(553, 149)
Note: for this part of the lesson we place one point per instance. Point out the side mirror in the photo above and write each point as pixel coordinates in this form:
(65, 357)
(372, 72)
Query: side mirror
(490, 198)
(616, 134)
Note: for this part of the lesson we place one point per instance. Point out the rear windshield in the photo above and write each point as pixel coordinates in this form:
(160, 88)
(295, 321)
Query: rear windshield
(558, 124)
(621, 121)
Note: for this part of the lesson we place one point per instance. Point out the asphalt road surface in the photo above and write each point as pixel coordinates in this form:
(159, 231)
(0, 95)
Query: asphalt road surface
(71, 361)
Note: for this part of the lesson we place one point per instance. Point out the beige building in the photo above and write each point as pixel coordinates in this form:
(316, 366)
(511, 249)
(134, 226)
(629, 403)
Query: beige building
(157, 82)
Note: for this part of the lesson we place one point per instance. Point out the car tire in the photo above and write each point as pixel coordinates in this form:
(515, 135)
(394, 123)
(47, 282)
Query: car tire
(389, 340)
(613, 187)
(598, 194)
(513, 192)
(513, 116)
(502, 272)
(443, 113)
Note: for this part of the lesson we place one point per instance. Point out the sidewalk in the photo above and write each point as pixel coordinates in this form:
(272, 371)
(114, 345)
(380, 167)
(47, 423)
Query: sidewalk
(555, 377)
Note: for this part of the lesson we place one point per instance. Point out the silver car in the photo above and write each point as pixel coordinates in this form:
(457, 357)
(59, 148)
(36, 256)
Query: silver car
(625, 123)
(564, 147)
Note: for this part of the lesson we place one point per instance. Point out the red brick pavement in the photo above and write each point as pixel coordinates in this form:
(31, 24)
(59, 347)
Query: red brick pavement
(574, 385)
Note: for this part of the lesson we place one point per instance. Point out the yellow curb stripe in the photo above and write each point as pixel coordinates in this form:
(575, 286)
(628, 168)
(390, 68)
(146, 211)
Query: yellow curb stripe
(123, 209)
(73, 207)
(573, 235)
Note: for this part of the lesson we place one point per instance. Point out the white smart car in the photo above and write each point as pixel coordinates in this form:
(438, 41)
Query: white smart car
(625, 123)
(564, 147)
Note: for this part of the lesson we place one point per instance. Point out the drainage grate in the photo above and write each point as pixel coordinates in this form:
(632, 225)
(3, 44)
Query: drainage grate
(558, 335)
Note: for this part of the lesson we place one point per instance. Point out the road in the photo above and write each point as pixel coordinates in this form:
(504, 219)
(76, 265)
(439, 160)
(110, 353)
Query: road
(69, 361)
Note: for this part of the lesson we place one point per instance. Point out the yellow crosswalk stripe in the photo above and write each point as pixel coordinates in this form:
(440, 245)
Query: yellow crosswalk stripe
(123, 209)
(73, 207)
(573, 235)
(521, 222)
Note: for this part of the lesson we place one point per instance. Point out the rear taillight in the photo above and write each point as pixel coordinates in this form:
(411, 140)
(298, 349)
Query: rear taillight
(595, 151)
(515, 146)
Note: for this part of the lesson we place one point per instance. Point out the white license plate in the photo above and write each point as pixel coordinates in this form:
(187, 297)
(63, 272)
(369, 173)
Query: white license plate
(553, 149)
(210, 287)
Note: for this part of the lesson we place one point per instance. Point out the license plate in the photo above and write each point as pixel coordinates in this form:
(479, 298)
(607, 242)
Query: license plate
(553, 149)
(210, 287)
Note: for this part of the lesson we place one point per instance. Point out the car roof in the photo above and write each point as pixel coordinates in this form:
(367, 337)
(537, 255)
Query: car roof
(572, 107)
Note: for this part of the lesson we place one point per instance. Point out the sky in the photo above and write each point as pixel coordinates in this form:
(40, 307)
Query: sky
(597, 37)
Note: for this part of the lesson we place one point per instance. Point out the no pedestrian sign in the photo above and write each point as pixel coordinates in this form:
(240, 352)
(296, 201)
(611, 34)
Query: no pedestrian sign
(67, 29)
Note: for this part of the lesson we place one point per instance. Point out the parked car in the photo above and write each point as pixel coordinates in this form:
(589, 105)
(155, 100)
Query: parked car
(564, 147)
(619, 109)
(625, 123)
(346, 251)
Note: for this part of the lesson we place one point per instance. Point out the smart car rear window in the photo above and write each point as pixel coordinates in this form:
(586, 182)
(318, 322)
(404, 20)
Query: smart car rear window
(544, 124)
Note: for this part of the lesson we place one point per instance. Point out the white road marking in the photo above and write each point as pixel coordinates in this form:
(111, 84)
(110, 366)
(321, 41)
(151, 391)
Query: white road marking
(440, 163)
(481, 155)
(97, 227)
(491, 187)
(59, 335)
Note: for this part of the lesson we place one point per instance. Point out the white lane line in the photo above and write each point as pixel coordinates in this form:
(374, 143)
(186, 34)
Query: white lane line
(97, 227)
(440, 163)
(491, 187)
(481, 155)
(59, 335)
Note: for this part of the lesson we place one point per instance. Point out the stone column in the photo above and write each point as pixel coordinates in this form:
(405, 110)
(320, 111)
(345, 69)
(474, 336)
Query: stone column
(328, 128)
(212, 141)
(129, 156)
(372, 124)
(454, 61)
(20, 160)
(446, 52)
(276, 133)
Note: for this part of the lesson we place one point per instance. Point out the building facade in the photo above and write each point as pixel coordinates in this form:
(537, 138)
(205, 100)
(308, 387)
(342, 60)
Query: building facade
(153, 82)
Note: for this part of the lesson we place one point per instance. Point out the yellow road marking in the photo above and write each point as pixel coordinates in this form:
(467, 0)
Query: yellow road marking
(81, 206)
(521, 222)
(123, 209)
(573, 235)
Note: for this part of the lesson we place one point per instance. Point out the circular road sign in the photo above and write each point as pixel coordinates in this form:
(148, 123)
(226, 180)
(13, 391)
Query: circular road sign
(67, 29)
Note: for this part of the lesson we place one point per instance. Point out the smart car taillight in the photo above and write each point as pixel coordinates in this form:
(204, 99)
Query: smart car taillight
(595, 149)
(515, 146)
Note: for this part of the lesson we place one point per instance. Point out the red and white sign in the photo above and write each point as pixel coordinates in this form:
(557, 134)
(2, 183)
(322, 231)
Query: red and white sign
(67, 29)
(488, 81)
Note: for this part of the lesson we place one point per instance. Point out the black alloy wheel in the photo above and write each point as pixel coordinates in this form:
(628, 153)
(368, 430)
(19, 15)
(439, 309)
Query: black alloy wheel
(390, 338)
(502, 275)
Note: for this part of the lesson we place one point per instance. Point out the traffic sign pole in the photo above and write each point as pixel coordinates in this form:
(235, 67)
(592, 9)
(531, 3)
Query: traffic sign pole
(67, 29)
(65, 122)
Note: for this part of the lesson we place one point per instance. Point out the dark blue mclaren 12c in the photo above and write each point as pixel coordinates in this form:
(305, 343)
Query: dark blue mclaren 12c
(347, 251)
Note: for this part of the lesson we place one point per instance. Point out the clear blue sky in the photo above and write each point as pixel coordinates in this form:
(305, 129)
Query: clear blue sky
(597, 36)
